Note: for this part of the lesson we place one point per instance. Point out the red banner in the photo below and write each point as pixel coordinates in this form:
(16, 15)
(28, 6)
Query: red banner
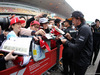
(35, 68)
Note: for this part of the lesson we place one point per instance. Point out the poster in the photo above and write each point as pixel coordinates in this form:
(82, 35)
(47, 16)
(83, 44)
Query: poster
(20, 45)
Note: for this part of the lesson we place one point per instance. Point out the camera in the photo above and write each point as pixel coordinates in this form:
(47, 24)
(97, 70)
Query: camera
(4, 23)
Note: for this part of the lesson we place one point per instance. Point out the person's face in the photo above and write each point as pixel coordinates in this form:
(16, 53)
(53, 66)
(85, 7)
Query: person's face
(66, 24)
(75, 21)
(58, 24)
(45, 25)
(35, 27)
(16, 27)
(51, 22)
(97, 23)
(23, 24)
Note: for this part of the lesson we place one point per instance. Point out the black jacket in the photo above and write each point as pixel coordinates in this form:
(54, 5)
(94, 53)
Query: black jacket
(2, 38)
(2, 63)
(96, 34)
(67, 51)
(71, 31)
(82, 46)
(2, 60)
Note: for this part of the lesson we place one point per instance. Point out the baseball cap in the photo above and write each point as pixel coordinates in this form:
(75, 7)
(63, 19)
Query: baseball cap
(70, 19)
(16, 20)
(43, 20)
(77, 14)
(34, 22)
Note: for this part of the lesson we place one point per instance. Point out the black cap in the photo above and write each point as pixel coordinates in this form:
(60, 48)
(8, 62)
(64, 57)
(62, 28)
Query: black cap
(77, 14)
(69, 21)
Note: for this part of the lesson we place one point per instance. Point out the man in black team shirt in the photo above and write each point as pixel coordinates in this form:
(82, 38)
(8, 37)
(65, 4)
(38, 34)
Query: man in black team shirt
(81, 46)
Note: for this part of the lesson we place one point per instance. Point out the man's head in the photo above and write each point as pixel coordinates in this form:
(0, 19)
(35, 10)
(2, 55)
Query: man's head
(67, 23)
(44, 22)
(77, 18)
(97, 22)
(15, 23)
(51, 21)
(34, 25)
(23, 24)
(57, 22)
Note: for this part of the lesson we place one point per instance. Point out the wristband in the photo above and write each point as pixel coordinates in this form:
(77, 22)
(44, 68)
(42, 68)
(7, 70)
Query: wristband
(33, 32)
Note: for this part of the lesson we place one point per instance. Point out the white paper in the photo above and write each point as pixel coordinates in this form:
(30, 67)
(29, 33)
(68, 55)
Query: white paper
(20, 45)
(48, 36)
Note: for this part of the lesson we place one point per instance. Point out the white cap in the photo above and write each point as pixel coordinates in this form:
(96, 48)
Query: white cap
(43, 20)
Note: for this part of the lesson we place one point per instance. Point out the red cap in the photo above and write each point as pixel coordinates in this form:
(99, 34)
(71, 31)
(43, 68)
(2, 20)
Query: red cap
(44, 45)
(16, 20)
(34, 22)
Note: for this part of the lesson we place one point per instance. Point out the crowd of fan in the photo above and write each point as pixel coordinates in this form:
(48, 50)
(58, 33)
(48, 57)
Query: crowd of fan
(40, 25)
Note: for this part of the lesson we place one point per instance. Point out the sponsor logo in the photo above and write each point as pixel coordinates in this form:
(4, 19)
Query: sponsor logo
(20, 72)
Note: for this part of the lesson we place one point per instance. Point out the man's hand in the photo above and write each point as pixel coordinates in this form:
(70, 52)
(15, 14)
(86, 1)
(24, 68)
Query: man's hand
(68, 36)
(63, 41)
(39, 15)
(41, 31)
(35, 38)
(54, 27)
(9, 56)
(57, 37)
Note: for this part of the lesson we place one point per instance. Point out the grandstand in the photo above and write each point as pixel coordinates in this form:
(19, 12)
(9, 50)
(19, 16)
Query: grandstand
(32, 7)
